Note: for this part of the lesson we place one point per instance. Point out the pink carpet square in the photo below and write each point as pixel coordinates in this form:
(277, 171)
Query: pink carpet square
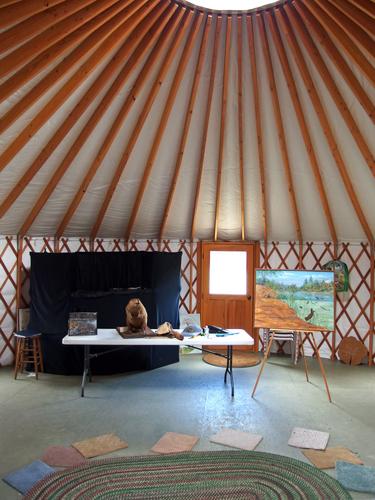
(172, 442)
(62, 456)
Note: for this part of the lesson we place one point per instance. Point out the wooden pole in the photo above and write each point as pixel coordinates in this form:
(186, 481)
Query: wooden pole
(11, 14)
(180, 71)
(314, 96)
(240, 124)
(280, 127)
(337, 59)
(188, 117)
(258, 123)
(372, 304)
(302, 124)
(363, 19)
(207, 113)
(222, 124)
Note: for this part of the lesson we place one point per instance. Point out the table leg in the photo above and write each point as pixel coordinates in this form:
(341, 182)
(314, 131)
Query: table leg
(321, 368)
(266, 354)
(304, 357)
(229, 368)
(86, 367)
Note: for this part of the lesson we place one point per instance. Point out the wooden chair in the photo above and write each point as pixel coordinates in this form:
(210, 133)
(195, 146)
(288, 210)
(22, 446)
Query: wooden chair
(28, 352)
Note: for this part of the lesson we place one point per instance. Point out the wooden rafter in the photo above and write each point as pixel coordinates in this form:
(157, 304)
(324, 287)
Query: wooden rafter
(143, 35)
(338, 60)
(89, 35)
(27, 51)
(11, 14)
(132, 97)
(367, 6)
(332, 89)
(278, 43)
(240, 124)
(185, 57)
(284, 16)
(356, 14)
(224, 97)
(343, 39)
(352, 29)
(205, 126)
(187, 122)
(134, 136)
(280, 127)
(70, 86)
(39, 22)
(258, 123)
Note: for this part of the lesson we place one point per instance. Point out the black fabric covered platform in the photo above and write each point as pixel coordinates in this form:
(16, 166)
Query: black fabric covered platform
(103, 283)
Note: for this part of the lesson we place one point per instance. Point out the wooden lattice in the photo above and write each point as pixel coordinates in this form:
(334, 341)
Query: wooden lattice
(354, 310)
(353, 315)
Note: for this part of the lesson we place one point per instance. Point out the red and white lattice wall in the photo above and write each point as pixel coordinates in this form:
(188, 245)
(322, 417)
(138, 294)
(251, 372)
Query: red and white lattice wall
(354, 310)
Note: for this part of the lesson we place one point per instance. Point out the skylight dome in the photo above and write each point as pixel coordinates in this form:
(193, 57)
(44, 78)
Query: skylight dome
(232, 5)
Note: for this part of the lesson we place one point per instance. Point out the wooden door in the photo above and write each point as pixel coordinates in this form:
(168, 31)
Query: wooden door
(227, 298)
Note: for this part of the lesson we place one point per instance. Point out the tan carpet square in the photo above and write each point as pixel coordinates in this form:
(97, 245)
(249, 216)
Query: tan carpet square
(100, 445)
(327, 459)
(172, 442)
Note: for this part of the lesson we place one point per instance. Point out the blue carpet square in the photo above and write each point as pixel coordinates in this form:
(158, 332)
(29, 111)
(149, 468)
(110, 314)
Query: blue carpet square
(23, 479)
(356, 477)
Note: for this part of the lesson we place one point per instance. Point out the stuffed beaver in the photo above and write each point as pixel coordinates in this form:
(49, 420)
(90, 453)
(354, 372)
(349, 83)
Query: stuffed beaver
(136, 316)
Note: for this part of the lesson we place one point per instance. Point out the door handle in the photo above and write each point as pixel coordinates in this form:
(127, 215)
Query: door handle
(249, 297)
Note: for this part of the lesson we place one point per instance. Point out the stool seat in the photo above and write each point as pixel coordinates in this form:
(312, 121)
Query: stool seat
(28, 351)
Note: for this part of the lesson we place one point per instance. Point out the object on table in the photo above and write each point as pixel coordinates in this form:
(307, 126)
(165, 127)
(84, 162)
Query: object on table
(82, 323)
(166, 329)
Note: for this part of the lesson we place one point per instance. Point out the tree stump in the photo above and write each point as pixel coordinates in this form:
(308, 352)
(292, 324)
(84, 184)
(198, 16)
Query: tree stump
(351, 351)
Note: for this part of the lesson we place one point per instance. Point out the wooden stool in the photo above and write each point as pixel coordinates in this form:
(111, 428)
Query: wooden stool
(28, 351)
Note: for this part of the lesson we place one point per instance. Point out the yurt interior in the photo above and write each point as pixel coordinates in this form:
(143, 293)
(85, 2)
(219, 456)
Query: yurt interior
(187, 223)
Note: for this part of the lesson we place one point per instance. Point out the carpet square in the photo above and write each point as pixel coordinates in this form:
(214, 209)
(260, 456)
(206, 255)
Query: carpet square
(63, 456)
(356, 477)
(24, 479)
(308, 438)
(326, 459)
(100, 445)
(173, 442)
(237, 439)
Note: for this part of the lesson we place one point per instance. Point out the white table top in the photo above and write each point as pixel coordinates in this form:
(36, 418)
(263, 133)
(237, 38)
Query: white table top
(112, 337)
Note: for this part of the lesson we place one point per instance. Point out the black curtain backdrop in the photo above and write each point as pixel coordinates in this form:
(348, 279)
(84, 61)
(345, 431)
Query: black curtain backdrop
(103, 283)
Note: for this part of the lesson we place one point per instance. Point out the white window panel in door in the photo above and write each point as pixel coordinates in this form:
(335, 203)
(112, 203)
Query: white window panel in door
(228, 273)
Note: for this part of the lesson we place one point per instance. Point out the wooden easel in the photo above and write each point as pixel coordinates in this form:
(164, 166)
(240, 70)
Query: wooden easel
(265, 358)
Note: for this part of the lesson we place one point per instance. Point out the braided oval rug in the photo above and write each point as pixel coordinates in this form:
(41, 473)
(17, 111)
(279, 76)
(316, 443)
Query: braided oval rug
(207, 475)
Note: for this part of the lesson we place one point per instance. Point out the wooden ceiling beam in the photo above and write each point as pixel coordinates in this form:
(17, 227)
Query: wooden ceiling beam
(280, 127)
(356, 14)
(39, 22)
(177, 24)
(284, 15)
(30, 49)
(143, 35)
(352, 29)
(224, 98)
(82, 73)
(343, 39)
(87, 37)
(258, 124)
(337, 59)
(367, 6)
(278, 43)
(332, 88)
(180, 71)
(13, 11)
(240, 124)
(186, 127)
(205, 125)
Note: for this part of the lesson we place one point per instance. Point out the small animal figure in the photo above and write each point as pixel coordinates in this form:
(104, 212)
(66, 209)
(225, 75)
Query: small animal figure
(310, 315)
(136, 316)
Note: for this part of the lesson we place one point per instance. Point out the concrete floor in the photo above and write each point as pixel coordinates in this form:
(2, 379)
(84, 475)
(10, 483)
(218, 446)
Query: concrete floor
(187, 397)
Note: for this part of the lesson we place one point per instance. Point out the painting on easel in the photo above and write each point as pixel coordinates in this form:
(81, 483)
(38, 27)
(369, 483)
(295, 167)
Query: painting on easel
(294, 300)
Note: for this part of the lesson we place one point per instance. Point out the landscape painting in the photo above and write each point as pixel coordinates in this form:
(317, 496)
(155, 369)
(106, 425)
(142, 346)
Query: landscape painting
(294, 300)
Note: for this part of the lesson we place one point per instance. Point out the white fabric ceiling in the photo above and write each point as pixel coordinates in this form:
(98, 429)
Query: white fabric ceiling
(150, 216)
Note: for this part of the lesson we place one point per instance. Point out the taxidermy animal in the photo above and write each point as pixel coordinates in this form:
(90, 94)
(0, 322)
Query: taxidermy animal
(136, 316)
(310, 315)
